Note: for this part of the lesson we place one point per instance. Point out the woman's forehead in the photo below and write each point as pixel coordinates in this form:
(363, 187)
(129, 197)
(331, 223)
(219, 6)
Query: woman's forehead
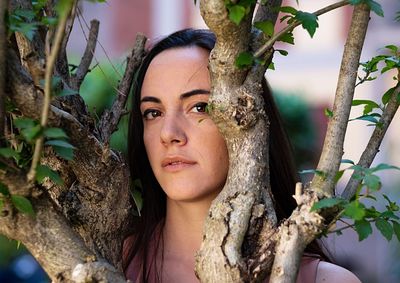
(181, 55)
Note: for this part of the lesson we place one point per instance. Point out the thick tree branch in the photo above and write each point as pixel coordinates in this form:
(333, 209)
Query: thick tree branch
(48, 85)
(374, 142)
(244, 208)
(260, 52)
(110, 118)
(333, 145)
(83, 68)
(95, 173)
(294, 235)
(52, 242)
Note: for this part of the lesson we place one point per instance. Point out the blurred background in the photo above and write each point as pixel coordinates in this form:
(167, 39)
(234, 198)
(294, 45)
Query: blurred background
(304, 85)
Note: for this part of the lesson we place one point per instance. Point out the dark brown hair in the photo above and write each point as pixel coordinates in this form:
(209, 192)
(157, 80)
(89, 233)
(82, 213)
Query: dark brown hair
(283, 174)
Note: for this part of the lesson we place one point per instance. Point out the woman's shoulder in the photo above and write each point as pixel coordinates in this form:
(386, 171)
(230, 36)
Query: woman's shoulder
(330, 273)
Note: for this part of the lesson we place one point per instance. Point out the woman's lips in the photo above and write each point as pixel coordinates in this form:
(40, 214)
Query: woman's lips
(174, 164)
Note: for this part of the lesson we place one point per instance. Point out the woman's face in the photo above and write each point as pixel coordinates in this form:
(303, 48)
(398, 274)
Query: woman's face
(187, 153)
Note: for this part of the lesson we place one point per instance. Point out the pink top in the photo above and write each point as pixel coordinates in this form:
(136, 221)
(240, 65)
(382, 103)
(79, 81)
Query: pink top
(307, 272)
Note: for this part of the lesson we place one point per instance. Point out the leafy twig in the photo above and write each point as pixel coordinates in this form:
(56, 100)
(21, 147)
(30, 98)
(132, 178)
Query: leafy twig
(47, 91)
(374, 143)
(294, 24)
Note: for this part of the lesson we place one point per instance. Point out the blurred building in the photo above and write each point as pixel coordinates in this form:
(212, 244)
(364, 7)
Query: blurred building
(310, 70)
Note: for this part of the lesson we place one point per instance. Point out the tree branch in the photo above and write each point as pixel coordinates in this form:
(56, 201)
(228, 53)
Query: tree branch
(333, 145)
(77, 79)
(294, 24)
(48, 85)
(61, 65)
(94, 173)
(110, 118)
(374, 142)
(3, 56)
(244, 207)
(52, 242)
(294, 235)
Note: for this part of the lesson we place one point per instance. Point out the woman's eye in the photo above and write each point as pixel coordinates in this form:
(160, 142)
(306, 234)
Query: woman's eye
(151, 114)
(200, 107)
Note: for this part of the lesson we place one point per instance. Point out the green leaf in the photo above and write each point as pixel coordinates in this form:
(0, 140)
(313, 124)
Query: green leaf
(288, 9)
(375, 7)
(396, 229)
(287, 37)
(271, 66)
(1, 204)
(372, 182)
(308, 21)
(236, 13)
(22, 204)
(282, 52)
(369, 105)
(60, 143)
(387, 95)
(328, 113)
(245, 59)
(43, 171)
(338, 175)
(9, 152)
(30, 134)
(54, 133)
(266, 27)
(363, 229)
(384, 166)
(355, 210)
(23, 123)
(385, 228)
(369, 118)
(348, 161)
(327, 202)
(64, 152)
(4, 190)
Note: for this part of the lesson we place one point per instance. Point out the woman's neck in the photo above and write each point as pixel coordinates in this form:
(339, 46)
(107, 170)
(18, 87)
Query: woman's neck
(183, 228)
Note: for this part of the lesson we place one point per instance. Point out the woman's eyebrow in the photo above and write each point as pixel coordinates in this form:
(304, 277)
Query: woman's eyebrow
(150, 99)
(194, 92)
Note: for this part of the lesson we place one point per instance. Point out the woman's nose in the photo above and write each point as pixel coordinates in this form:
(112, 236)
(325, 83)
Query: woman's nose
(173, 131)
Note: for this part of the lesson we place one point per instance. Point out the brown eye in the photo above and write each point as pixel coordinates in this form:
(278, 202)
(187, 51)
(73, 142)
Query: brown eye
(200, 107)
(151, 114)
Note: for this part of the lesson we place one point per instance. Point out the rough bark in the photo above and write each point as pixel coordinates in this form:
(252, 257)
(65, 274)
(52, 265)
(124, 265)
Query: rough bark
(238, 110)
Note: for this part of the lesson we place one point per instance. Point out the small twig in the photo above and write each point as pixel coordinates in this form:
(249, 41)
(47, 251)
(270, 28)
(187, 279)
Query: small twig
(62, 60)
(374, 142)
(109, 120)
(87, 58)
(332, 151)
(3, 56)
(294, 24)
(99, 43)
(51, 59)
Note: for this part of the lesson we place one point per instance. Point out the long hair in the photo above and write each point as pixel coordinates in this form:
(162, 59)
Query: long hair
(283, 175)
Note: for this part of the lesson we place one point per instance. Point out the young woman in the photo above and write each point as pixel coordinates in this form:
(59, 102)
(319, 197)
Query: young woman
(181, 159)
